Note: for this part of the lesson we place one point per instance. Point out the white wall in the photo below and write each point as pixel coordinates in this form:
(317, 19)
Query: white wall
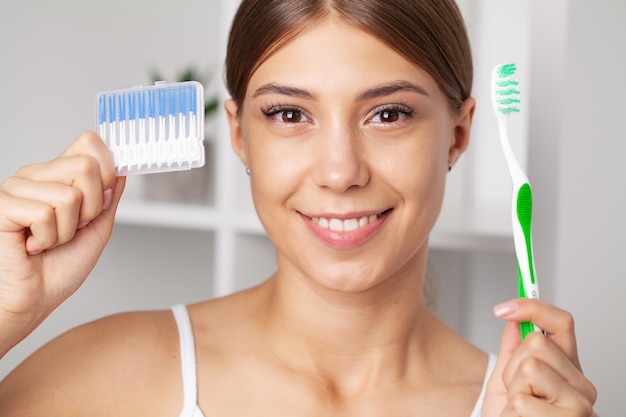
(590, 276)
(576, 147)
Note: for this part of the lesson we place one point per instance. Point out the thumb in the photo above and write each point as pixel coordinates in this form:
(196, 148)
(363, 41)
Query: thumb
(496, 394)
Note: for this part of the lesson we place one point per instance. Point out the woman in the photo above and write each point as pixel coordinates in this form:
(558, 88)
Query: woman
(347, 116)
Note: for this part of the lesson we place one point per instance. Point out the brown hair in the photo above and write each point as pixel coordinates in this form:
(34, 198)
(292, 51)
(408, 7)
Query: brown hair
(430, 33)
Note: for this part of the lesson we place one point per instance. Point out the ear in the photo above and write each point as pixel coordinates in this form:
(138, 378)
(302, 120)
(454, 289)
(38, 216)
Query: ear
(462, 129)
(236, 136)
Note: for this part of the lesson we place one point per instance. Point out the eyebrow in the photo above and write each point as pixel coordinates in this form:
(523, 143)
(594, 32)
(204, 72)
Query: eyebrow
(388, 89)
(284, 90)
(382, 91)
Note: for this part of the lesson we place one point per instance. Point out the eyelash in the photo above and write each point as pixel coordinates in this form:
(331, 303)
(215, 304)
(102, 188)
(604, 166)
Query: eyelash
(402, 111)
(272, 111)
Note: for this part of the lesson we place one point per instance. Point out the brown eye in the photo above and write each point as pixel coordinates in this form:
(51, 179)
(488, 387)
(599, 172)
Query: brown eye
(284, 114)
(391, 114)
(291, 116)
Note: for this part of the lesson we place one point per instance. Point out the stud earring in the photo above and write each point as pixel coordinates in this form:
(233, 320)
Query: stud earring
(248, 171)
(449, 167)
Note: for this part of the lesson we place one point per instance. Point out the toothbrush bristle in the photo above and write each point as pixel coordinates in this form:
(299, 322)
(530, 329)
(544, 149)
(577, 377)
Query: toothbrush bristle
(507, 89)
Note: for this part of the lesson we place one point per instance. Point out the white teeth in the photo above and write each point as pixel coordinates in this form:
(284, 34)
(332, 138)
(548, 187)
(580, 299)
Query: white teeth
(335, 225)
(322, 222)
(348, 225)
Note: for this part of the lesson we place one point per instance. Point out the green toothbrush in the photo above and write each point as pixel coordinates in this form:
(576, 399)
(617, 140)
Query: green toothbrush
(505, 99)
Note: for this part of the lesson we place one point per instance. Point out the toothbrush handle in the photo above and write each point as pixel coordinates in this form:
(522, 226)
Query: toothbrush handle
(526, 326)
(527, 282)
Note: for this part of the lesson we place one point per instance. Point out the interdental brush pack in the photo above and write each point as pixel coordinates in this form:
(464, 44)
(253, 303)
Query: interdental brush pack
(157, 128)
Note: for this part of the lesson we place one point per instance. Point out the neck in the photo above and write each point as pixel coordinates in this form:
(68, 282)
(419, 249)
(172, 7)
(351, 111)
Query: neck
(350, 340)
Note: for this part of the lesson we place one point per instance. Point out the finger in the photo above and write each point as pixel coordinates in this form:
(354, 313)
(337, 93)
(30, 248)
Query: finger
(524, 405)
(64, 201)
(537, 347)
(534, 378)
(558, 324)
(111, 202)
(509, 344)
(496, 392)
(90, 144)
(80, 172)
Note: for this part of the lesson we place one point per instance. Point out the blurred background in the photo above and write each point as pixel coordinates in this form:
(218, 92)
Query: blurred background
(186, 237)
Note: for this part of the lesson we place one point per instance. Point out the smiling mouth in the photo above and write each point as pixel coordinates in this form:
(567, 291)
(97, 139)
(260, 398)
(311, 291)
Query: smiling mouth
(346, 225)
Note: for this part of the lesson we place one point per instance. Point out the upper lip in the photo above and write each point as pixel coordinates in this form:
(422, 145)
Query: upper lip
(345, 216)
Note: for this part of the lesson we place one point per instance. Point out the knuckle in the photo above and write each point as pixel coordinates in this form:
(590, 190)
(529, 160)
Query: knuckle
(517, 403)
(529, 366)
(86, 165)
(89, 139)
(44, 215)
(6, 183)
(536, 343)
(72, 197)
(23, 171)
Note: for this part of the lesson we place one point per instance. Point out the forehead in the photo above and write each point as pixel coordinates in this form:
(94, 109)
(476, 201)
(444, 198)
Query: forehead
(333, 56)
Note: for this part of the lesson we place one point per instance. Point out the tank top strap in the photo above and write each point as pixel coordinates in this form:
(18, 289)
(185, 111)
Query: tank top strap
(188, 360)
(479, 403)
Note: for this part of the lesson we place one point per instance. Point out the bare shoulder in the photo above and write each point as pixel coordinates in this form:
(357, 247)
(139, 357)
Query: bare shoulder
(102, 368)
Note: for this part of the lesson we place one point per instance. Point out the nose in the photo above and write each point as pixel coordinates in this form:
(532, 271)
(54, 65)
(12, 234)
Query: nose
(340, 160)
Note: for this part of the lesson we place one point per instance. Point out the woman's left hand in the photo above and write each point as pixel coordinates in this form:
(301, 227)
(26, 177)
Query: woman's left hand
(540, 376)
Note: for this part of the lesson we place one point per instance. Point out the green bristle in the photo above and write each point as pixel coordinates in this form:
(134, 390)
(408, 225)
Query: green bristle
(508, 91)
(506, 70)
(507, 83)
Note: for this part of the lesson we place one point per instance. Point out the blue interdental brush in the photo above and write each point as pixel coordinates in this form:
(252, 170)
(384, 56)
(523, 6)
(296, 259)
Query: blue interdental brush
(154, 128)
(132, 126)
(172, 156)
(121, 107)
(112, 136)
(152, 136)
(142, 139)
(102, 115)
(162, 137)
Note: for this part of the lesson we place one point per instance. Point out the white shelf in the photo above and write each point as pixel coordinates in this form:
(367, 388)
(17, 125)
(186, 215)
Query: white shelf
(184, 217)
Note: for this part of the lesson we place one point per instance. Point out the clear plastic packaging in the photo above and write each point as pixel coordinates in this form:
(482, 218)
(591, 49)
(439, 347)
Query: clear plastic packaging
(151, 129)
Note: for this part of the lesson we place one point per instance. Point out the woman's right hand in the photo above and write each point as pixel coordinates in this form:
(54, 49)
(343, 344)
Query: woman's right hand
(55, 220)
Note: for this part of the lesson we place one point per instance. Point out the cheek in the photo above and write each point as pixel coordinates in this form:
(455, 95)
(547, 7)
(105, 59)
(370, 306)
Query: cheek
(276, 172)
(418, 167)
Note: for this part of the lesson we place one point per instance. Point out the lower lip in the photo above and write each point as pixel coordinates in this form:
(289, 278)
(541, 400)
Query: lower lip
(345, 240)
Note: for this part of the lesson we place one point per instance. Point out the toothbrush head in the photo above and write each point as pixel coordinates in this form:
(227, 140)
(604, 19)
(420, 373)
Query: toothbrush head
(505, 94)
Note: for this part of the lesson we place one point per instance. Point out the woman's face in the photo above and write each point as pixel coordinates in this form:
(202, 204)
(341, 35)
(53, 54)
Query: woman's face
(348, 144)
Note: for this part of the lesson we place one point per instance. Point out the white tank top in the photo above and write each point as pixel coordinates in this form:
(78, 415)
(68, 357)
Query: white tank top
(190, 382)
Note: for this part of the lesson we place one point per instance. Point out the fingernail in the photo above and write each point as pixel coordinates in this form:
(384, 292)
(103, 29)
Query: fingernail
(506, 308)
(107, 198)
(81, 225)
